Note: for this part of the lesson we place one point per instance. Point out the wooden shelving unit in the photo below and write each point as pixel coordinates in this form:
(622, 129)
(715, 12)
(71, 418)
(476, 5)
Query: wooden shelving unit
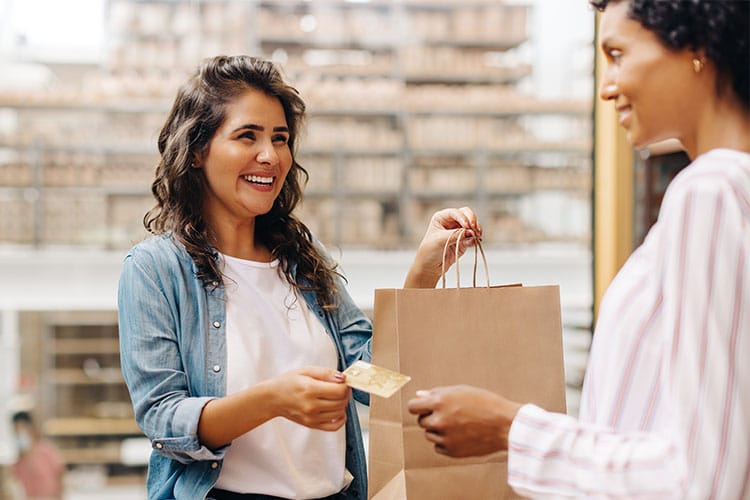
(392, 88)
(85, 407)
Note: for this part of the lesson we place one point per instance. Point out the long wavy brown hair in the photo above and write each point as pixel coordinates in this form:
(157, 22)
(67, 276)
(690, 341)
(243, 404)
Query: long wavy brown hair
(197, 112)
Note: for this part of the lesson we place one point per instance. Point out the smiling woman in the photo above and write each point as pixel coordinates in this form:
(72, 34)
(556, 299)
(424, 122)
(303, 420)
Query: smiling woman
(245, 166)
(646, 80)
(659, 70)
(234, 322)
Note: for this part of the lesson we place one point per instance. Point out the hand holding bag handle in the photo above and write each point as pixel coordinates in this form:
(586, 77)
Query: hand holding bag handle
(477, 244)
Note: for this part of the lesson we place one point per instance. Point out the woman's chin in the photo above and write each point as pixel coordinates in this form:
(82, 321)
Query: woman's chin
(641, 141)
(634, 140)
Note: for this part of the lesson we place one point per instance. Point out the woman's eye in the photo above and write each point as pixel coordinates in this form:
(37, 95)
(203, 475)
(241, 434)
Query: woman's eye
(281, 139)
(615, 55)
(248, 135)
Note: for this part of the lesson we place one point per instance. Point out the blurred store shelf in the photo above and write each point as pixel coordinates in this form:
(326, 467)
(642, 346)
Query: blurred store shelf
(414, 105)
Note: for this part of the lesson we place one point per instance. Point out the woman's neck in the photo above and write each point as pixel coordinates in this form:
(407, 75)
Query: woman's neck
(239, 241)
(726, 124)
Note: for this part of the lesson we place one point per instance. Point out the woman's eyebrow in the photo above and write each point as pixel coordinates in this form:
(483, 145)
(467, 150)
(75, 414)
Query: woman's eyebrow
(260, 128)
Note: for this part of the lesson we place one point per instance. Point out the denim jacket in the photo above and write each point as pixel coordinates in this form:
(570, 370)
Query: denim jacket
(173, 355)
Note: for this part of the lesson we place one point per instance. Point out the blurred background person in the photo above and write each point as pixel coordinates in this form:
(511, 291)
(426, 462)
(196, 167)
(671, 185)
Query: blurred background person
(40, 467)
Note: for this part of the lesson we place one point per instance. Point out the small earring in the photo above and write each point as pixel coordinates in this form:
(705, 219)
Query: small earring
(697, 65)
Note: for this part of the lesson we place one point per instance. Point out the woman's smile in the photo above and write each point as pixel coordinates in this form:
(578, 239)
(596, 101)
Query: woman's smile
(260, 182)
(624, 113)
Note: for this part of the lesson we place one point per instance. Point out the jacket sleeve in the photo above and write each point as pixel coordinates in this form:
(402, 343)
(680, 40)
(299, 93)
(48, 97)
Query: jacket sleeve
(353, 326)
(355, 330)
(152, 364)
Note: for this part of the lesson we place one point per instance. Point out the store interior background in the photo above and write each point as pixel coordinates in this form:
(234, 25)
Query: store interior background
(414, 105)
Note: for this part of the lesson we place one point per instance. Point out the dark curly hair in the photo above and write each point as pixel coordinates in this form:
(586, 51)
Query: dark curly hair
(197, 112)
(717, 27)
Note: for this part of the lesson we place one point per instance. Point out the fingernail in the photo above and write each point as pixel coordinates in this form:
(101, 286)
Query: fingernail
(422, 393)
(339, 376)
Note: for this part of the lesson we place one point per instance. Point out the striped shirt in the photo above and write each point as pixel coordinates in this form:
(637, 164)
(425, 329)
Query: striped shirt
(665, 409)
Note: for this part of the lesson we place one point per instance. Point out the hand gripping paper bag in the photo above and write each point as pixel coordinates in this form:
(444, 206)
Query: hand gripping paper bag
(507, 339)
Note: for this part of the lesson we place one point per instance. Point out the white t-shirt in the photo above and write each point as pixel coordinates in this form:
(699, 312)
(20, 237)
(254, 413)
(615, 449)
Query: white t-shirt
(270, 331)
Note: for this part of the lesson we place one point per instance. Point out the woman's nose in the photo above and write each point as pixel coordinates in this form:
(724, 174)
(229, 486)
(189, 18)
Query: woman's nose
(607, 88)
(267, 154)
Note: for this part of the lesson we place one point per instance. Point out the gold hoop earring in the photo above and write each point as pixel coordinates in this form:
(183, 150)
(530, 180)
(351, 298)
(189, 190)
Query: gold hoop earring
(697, 65)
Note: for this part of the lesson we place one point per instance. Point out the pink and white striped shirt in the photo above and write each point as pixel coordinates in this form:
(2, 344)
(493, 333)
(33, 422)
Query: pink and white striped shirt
(665, 410)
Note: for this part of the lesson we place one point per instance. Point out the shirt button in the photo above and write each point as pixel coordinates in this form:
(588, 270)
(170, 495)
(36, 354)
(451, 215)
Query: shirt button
(159, 446)
(217, 324)
(214, 465)
(215, 283)
(217, 368)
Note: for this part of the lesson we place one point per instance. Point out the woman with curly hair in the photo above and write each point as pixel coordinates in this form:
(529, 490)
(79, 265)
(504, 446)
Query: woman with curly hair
(665, 409)
(234, 323)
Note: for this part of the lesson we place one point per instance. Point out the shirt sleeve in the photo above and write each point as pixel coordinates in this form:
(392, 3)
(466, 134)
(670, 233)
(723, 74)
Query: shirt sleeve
(553, 455)
(699, 449)
(152, 367)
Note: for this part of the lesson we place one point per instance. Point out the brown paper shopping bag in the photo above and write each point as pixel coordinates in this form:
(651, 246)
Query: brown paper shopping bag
(505, 339)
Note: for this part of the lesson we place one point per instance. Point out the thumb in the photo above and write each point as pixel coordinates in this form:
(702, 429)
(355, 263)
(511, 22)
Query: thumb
(421, 404)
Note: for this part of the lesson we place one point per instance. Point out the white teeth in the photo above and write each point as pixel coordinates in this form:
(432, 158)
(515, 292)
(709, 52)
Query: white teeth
(258, 179)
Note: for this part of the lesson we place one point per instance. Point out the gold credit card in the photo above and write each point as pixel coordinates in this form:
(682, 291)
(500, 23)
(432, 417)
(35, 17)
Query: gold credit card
(374, 379)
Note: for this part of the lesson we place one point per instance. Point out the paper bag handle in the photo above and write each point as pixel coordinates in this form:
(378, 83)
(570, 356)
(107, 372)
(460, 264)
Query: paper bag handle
(477, 244)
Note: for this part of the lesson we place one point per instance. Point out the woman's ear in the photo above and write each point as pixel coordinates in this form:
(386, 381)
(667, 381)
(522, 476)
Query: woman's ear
(699, 60)
(197, 161)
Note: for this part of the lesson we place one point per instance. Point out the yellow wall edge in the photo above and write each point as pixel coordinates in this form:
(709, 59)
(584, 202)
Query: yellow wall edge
(613, 192)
